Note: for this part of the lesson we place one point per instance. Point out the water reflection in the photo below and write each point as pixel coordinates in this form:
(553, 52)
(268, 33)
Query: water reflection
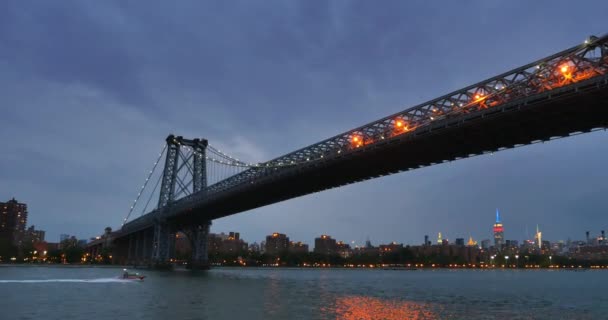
(362, 308)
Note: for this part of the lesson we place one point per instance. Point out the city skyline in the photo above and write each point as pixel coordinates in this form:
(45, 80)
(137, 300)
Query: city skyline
(498, 222)
(257, 94)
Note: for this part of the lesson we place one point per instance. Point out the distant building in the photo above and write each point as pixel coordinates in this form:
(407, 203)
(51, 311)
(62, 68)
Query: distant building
(70, 242)
(344, 249)
(214, 243)
(230, 243)
(276, 243)
(471, 243)
(234, 244)
(538, 238)
(511, 244)
(325, 245)
(391, 247)
(499, 235)
(466, 254)
(460, 241)
(13, 218)
(63, 237)
(254, 247)
(32, 235)
(485, 244)
(298, 247)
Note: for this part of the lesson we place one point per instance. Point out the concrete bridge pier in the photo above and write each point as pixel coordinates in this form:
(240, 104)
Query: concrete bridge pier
(198, 235)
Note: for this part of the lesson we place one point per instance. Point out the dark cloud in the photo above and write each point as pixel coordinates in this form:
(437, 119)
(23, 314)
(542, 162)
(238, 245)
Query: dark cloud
(90, 90)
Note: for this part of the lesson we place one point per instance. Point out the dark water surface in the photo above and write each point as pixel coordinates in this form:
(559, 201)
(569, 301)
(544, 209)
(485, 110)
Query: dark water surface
(226, 293)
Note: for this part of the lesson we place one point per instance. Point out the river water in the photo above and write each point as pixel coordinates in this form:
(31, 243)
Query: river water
(268, 293)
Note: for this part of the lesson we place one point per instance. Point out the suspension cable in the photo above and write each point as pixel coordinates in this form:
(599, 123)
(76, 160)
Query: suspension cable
(145, 184)
(151, 194)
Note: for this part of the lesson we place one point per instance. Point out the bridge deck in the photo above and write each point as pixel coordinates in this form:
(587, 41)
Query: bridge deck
(578, 107)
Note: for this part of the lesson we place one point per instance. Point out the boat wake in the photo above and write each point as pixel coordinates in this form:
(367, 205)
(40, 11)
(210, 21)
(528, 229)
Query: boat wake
(99, 280)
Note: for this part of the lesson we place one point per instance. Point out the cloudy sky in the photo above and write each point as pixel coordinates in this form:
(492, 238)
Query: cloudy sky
(89, 90)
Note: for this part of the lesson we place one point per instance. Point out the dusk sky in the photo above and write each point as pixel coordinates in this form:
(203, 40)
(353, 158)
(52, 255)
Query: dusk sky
(89, 91)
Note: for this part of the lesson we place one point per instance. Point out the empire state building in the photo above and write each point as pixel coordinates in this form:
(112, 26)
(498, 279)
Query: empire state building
(499, 237)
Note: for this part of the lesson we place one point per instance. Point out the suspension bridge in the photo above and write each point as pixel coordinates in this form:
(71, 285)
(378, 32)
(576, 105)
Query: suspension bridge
(555, 97)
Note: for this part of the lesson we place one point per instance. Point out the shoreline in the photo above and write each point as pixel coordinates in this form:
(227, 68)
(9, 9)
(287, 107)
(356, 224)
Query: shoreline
(52, 265)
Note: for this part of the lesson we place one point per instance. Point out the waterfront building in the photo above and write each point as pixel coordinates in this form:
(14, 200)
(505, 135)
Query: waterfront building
(498, 232)
(344, 249)
(325, 245)
(466, 254)
(182, 245)
(298, 247)
(254, 247)
(276, 243)
(391, 247)
(13, 217)
(230, 243)
(233, 244)
(70, 242)
(34, 236)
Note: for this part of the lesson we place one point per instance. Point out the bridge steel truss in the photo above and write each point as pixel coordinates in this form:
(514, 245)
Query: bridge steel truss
(577, 69)
(577, 64)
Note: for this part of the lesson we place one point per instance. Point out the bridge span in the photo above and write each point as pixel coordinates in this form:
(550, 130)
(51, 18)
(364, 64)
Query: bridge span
(557, 96)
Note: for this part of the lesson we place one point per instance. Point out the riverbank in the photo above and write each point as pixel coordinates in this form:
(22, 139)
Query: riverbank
(369, 267)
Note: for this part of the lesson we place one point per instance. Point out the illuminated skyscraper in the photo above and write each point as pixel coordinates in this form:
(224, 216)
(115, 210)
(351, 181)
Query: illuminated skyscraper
(471, 242)
(439, 241)
(499, 236)
(539, 238)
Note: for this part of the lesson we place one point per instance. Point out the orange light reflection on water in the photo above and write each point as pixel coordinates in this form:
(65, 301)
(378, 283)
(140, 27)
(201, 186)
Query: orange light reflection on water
(363, 308)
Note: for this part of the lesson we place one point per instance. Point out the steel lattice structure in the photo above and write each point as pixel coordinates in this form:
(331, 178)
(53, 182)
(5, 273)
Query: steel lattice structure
(583, 64)
(570, 66)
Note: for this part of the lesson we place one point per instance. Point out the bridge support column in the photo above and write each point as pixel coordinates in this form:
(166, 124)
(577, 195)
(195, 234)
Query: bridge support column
(137, 258)
(164, 245)
(147, 243)
(131, 249)
(199, 240)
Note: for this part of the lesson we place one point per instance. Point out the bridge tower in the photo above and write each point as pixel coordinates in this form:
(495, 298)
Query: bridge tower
(185, 173)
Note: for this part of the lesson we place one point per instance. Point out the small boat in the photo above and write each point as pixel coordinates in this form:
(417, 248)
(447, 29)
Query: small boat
(132, 276)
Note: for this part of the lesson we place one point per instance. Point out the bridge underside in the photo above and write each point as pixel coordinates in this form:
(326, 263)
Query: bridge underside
(577, 108)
